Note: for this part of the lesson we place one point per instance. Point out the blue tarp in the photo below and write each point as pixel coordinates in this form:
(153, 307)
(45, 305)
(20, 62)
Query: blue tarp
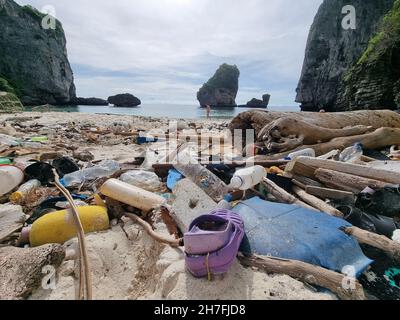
(292, 232)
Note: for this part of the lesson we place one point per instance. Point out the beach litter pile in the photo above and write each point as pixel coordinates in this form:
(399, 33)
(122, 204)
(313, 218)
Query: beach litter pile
(112, 212)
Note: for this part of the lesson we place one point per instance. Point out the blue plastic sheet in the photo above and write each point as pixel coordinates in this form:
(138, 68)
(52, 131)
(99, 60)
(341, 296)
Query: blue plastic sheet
(292, 232)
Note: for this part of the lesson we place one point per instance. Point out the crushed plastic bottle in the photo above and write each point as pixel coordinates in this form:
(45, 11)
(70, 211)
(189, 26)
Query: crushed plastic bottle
(201, 176)
(8, 140)
(309, 152)
(247, 178)
(352, 154)
(24, 189)
(104, 169)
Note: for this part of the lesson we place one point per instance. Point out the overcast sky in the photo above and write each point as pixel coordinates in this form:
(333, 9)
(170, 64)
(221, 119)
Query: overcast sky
(163, 50)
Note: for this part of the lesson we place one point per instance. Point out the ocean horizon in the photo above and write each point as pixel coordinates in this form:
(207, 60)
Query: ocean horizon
(166, 110)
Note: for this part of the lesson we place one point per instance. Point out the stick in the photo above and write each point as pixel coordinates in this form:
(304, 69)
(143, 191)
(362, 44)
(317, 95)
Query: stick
(354, 169)
(317, 203)
(347, 182)
(326, 193)
(84, 261)
(283, 195)
(381, 242)
(147, 227)
(307, 273)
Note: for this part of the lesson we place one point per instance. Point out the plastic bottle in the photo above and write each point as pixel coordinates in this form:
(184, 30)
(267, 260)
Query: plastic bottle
(59, 227)
(131, 195)
(352, 154)
(246, 178)
(8, 140)
(309, 152)
(23, 190)
(201, 176)
(10, 178)
(5, 161)
(104, 169)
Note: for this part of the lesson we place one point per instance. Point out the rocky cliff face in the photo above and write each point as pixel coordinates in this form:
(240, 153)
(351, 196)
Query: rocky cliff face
(374, 81)
(221, 90)
(34, 60)
(332, 50)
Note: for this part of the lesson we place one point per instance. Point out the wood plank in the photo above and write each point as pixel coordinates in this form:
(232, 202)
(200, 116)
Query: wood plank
(325, 193)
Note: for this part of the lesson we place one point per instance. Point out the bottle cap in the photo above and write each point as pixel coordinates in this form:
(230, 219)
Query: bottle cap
(16, 196)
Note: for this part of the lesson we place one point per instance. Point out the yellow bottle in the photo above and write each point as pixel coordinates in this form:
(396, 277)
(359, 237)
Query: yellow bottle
(59, 227)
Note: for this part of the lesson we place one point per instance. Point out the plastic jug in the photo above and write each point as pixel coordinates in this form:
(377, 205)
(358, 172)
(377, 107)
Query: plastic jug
(352, 154)
(10, 178)
(131, 195)
(59, 227)
(23, 190)
(247, 178)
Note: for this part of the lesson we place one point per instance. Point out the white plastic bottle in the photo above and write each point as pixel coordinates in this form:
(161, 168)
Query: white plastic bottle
(244, 179)
(309, 152)
(352, 154)
(24, 189)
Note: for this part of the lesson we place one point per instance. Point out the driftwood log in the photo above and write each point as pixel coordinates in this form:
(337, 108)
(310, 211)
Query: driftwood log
(284, 131)
(307, 273)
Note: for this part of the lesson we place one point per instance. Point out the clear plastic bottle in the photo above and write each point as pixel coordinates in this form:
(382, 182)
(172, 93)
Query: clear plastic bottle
(309, 152)
(103, 169)
(352, 154)
(24, 189)
(201, 176)
(247, 178)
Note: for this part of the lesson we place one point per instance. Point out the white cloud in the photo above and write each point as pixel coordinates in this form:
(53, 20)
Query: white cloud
(179, 44)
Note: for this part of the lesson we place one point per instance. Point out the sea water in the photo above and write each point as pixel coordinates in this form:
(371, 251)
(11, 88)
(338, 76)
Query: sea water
(164, 111)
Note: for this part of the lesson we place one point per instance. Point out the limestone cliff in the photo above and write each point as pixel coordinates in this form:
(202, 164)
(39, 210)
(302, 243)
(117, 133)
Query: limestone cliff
(332, 50)
(221, 90)
(34, 60)
(374, 81)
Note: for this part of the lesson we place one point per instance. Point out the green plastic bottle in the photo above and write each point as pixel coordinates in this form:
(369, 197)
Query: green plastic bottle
(5, 161)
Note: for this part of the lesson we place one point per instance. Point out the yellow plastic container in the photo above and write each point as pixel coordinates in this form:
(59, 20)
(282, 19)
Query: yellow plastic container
(59, 227)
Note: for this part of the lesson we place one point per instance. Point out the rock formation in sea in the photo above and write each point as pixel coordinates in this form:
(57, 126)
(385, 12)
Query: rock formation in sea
(374, 81)
(124, 100)
(332, 50)
(221, 90)
(79, 101)
(32, 59)
(257, 103)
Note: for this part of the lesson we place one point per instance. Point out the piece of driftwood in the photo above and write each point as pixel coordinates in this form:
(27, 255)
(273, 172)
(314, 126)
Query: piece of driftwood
(257, 120)
(347, 182)
(12, 219)
(147, 227)
(288, 133)
(381, 242)
(326, 193)
(307, 166)
(283, 195)
(308, 273)
(317, 203)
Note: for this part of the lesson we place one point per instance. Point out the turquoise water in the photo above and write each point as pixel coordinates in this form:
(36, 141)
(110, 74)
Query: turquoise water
(165, 111)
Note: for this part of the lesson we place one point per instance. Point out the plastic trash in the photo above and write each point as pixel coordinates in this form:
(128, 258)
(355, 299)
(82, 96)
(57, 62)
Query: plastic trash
(39, 139)
(131, 195)
(5, 161)
(247, 178)
(384, 201)
(23, 190)
(396, 236)
(59, 227)
(352, 154)
(291, 232)
(201, 176)
(10, 178)
(309, 152)
(8, 140)
(65, 165)
(212, 244)
(174, 177)
(104, 169)
(41, 171)
(144, 140)
(142, 179)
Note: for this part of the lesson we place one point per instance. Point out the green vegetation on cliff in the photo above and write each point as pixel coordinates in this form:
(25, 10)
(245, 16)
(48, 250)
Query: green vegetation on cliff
(387, 37)
(9, 103)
